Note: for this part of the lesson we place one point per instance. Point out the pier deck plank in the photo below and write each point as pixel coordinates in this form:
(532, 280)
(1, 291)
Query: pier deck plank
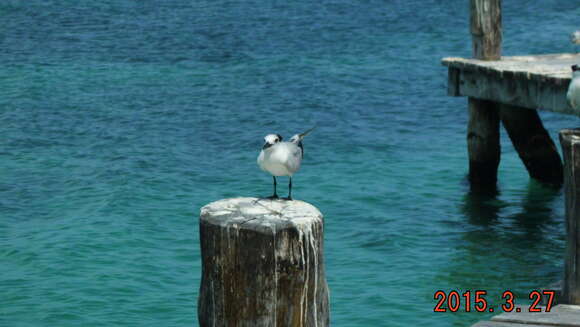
(562, 315)
(535, 82)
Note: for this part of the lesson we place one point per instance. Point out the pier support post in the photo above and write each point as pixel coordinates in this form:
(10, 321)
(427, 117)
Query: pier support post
(533, 144)
(262, 264)
(483, 144)
(483, 127)
(570, 141)
(485, 27)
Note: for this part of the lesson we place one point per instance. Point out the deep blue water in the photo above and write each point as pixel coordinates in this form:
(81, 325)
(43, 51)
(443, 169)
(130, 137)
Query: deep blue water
(120, 119)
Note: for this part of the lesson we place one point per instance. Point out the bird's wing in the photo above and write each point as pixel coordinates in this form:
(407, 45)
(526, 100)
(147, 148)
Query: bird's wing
(573, 95)
(260, 159)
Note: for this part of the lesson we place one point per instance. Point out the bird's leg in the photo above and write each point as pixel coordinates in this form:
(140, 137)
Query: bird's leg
(289, 190)
(275, 195)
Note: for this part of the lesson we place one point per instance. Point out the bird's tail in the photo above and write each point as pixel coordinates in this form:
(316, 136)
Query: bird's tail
(306, 133)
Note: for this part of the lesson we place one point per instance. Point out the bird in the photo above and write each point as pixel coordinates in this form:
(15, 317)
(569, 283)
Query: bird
(573, 95)
(281, 158)
(575, 38)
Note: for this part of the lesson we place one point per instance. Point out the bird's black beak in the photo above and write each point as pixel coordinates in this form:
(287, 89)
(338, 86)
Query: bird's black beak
(266, 145)
(575, 68)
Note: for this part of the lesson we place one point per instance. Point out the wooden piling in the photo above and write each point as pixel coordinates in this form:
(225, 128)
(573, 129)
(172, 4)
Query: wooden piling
(262, 264)
(483, 127)
(483, 144)
(570, 141)
(533, 144)
(486, 29)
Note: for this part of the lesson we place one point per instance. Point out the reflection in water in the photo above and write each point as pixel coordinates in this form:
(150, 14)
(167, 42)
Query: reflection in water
(536, 211)
(507, 244)
(482, 207)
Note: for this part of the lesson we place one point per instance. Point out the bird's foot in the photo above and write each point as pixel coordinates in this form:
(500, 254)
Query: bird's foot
(288, 199)
(272, 197)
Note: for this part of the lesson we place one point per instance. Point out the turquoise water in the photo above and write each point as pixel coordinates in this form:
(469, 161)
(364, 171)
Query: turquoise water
(120, 119)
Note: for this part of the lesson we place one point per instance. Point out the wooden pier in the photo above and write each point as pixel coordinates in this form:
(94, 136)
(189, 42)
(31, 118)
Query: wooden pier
(510, 90)
(562, 315)
(532, 82)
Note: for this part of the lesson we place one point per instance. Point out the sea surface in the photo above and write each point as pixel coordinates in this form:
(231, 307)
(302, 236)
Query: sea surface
(120, 119)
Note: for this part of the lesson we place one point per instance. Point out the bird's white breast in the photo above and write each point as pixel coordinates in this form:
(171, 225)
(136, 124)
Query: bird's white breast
(573, 94)
(281, 159)
(575, 37)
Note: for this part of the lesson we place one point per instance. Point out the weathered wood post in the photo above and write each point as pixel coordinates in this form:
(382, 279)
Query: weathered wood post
(533, 144)
(570, 141)
(262, 264)
(483, 128)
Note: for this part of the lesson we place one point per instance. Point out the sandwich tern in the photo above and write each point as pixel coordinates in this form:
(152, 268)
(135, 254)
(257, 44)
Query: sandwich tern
(573, 94)
(575, 39)
(282, 158)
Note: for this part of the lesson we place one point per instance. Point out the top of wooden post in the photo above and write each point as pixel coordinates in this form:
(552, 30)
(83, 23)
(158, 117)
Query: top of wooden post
(263, 264)
(261, 215)
(485, 26)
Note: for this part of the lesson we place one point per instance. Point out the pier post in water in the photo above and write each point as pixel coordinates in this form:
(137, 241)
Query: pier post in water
(570, 141)
(483, 128)
(533, 144)
(262, 264)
